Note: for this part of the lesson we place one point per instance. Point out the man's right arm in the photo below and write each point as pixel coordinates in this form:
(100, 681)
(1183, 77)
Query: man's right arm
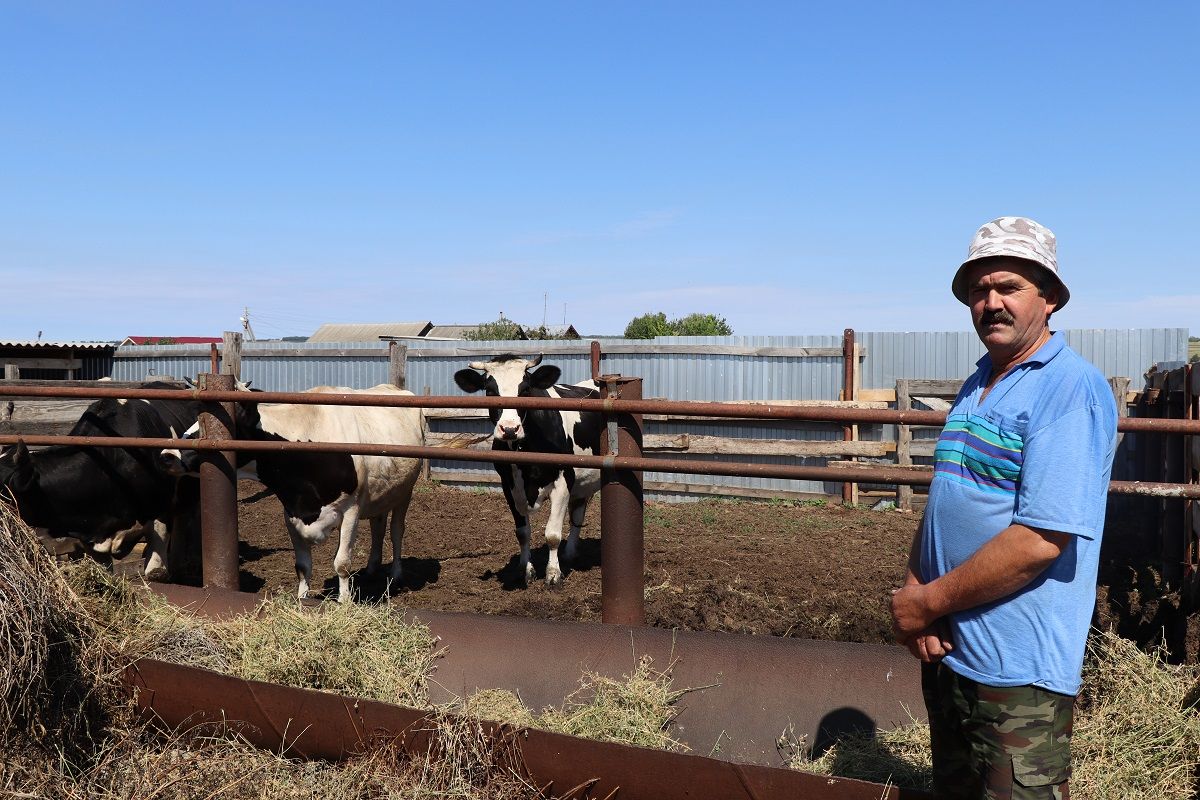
(934, 642)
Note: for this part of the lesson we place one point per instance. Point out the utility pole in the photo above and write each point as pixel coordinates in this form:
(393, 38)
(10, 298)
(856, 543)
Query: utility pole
(245, 320)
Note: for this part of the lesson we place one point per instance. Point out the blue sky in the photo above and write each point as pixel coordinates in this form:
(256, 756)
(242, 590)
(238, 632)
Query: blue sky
(795, 168)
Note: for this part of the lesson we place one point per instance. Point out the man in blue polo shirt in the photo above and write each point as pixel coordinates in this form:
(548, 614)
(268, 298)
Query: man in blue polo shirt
(1001, 580)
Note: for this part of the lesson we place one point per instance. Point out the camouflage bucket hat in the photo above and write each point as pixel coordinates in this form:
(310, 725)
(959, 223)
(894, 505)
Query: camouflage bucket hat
(1016, 237)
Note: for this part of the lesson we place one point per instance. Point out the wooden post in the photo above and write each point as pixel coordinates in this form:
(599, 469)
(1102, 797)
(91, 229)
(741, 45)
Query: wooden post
(12, 372)
(231, 355)
(904, 492)
(397, 364)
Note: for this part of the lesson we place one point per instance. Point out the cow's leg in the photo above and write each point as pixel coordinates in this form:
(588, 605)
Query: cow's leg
(375, 559)
(514, 492)
(399, 512)
(578, 506)
(559, 498)
(345, 553)
(303, 550)
(157, 551)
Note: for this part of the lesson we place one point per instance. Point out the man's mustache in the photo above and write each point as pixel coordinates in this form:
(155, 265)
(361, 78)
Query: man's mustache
(994, 317)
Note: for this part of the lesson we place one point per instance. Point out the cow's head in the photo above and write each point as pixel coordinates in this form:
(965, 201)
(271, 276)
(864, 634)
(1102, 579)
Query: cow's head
(19, 478)
(507, 375)
(246, 422)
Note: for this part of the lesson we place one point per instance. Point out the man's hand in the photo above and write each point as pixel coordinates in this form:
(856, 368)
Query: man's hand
(931, 644)
(912, 612)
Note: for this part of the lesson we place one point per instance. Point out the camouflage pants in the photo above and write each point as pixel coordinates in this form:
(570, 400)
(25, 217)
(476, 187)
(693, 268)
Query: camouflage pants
(997, 743)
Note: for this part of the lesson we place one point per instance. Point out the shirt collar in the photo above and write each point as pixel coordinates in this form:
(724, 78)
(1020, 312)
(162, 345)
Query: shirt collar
(1052, 347)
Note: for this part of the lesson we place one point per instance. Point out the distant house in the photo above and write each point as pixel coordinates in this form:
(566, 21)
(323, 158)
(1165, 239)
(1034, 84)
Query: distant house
(369, 331)
(171, 340)
(562, 331)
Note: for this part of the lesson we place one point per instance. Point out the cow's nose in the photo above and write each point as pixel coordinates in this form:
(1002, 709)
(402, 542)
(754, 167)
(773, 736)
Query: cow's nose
(510, 430)
(170, 462)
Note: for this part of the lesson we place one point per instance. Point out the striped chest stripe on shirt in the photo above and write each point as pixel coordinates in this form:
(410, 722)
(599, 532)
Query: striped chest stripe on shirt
(974, 451)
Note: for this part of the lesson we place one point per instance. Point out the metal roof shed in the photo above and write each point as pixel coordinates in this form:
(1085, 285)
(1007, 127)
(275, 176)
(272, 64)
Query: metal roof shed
(368, 331)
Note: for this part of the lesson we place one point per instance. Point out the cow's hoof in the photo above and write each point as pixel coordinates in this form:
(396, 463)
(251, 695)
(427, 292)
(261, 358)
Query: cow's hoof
(553, 580)
(158, 574)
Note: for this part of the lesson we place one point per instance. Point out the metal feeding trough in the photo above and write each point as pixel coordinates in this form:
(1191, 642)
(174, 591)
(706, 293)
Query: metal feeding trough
(749, 691)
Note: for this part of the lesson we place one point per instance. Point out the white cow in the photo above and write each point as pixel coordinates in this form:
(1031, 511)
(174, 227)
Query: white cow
(326, 492)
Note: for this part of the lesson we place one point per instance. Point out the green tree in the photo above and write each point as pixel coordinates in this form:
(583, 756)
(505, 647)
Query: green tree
(701, 325)
(499, 330)
(647, 326)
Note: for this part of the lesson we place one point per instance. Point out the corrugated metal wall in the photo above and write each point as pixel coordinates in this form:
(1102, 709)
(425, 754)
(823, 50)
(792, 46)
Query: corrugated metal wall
(677, 376)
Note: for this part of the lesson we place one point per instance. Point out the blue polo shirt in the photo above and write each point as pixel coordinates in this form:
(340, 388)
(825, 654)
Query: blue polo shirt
(1038, 450)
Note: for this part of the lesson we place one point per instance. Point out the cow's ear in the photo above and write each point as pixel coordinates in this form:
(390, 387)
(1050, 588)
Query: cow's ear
(544, 377)
(24, 475)
(469, 380)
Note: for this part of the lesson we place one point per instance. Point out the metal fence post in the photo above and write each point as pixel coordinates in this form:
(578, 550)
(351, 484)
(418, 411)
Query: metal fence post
(218, 490)
(849, 432)
(622, 555)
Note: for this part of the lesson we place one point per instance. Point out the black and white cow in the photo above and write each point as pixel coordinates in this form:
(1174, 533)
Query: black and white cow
(539, 431)
(109, 496)
(326, 492)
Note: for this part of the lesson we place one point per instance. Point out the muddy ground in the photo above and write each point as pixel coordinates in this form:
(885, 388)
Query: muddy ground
(806, 569)
(779, 568)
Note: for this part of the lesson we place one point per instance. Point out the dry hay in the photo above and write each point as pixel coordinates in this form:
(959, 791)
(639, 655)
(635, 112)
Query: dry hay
(1137, 733)
(354, 649)
(58, 684)
(216, 761)
(637, 709)
(348, 648)
(69, 727)
(898, 756)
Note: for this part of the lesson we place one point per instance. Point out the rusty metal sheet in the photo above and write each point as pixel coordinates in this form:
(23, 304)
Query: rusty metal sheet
(749, 689)
(322, 725)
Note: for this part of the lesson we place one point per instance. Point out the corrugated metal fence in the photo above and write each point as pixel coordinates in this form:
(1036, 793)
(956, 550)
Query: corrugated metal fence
(680, 368)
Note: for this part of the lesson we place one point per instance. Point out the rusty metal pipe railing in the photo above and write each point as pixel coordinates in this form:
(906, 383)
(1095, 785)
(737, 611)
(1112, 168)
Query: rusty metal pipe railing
(764, 411)
(864, 474)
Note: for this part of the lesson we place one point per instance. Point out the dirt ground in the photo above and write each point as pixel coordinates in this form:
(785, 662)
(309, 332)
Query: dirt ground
(807, 569)
(781, 568)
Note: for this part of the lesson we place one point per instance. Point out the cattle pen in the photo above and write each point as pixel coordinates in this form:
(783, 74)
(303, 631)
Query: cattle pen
(824, 687)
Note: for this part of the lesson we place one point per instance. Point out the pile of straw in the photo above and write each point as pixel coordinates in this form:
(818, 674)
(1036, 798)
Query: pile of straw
(69, 730)
(58, 684)
(638, 709)
(1137, 733)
